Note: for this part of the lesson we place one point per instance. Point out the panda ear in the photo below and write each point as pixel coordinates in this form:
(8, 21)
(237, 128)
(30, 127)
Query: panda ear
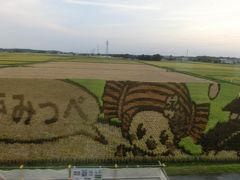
(213, 90)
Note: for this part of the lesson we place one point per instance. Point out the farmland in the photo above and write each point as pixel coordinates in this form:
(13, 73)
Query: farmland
(92, 74)
(13, 59)
(79, 67)
(19, 59)
(60, 67)
(218, 72)
(60, 142)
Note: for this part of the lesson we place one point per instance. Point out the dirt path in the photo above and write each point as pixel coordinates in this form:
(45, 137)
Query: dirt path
(63, 70)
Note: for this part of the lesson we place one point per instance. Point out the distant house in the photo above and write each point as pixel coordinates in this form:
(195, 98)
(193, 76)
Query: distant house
(182, 58)
(226, 61)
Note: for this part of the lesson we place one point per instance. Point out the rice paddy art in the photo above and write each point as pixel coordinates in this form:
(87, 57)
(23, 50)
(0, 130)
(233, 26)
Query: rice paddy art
(45, 120)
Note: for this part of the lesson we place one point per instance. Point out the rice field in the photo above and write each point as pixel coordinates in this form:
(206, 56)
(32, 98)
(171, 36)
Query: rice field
(229, 74)
(18, 59)
(220, 72)
(72, 138)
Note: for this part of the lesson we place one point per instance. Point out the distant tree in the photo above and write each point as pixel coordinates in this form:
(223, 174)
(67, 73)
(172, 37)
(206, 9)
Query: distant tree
(171, 57)
(156, 57)
(144, 57)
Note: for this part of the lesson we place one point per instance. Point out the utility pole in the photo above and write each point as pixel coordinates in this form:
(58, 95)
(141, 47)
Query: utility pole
(107, 47)
(187, 58)
(97, 49)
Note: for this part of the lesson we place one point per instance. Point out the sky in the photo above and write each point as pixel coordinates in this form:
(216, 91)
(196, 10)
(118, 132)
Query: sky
(167, 27)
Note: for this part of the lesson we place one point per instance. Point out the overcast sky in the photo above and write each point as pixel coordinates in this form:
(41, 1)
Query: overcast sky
(205, 27)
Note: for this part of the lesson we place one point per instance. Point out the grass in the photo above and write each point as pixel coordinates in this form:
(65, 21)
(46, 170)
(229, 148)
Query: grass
(228, 92)
(17, 59)
(219, 72)
(201, 168)
(96, 87)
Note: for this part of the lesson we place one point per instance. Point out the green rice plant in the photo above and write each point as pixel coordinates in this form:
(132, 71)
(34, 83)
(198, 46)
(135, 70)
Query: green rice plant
(218, 72)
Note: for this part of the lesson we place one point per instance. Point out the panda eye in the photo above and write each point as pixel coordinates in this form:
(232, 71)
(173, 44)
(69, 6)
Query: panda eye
(140, 131)
(163, 137)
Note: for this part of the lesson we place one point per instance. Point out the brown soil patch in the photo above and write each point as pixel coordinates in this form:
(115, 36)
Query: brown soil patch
(63, 70)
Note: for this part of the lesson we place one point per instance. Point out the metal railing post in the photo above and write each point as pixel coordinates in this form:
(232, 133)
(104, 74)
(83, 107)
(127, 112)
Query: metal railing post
(21, 172)
(162, 166)
(69, 172)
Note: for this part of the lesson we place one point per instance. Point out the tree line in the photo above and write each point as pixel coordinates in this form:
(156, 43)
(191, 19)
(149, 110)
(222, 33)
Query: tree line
(155, 57)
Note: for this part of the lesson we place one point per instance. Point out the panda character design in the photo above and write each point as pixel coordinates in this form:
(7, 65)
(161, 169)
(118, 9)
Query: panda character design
(153, 117)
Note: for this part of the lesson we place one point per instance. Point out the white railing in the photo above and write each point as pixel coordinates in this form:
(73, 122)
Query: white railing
(147, 172)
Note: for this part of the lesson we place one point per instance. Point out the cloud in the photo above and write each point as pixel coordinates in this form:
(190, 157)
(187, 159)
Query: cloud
(134, 5)
(127, 22)
(33, 14)
(24, 12)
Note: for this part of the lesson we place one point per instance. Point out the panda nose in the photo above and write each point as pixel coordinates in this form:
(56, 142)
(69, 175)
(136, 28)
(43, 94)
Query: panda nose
(151, 143)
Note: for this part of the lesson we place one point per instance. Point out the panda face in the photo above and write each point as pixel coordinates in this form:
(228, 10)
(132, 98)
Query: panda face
(150, 132)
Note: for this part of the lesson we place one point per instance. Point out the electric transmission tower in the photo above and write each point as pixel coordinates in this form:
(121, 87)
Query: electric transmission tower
(107, 47)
